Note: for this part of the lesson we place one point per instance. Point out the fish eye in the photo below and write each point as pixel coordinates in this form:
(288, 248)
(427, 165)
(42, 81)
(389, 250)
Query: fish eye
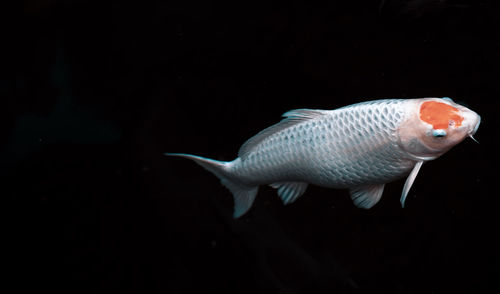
(439, 133)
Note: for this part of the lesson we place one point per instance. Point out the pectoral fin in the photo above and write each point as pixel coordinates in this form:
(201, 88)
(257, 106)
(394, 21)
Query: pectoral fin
(409, 182)
(367, 196)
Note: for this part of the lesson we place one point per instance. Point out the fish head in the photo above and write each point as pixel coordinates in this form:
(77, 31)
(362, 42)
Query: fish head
(434, 125)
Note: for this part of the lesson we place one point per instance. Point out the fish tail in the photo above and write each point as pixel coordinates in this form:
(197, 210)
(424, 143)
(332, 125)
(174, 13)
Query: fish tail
(243, 195)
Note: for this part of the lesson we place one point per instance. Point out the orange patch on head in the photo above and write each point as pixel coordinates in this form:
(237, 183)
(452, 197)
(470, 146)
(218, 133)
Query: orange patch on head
(439, 114)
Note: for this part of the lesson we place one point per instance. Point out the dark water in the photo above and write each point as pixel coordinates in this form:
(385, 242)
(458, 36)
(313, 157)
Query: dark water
(94, 93)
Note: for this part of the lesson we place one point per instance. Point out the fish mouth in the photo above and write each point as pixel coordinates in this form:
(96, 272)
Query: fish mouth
(474, 130)
(476, 126)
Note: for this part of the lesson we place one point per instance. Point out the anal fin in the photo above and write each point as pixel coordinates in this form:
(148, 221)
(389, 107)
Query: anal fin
(290, 191)
(367, 196)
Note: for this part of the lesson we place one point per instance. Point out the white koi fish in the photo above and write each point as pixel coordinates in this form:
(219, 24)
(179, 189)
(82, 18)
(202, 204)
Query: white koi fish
(360, 147)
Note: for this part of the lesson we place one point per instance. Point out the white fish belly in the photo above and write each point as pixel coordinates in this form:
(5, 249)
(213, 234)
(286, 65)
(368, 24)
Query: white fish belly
(347, 147)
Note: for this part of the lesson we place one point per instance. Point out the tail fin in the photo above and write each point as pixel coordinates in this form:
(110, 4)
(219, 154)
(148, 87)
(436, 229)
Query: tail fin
(243, 195)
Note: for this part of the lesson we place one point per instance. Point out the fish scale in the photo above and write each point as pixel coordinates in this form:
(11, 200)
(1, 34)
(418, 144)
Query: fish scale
(361, 147)
(351, 146)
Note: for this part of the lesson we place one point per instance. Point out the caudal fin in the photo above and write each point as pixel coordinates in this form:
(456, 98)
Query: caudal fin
(243, 195)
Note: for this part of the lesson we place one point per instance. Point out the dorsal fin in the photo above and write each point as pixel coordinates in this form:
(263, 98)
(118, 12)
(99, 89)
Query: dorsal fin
(292, 118)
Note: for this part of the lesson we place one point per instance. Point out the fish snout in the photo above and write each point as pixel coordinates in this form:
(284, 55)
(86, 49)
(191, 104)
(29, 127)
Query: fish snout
(472, 121)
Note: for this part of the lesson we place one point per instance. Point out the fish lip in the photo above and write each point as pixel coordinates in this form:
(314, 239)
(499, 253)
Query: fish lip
(476, 127)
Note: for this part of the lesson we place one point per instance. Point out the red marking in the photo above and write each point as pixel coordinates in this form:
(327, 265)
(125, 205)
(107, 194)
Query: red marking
(439, 114)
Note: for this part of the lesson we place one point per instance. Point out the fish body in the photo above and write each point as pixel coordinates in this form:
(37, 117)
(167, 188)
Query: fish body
(360, 147)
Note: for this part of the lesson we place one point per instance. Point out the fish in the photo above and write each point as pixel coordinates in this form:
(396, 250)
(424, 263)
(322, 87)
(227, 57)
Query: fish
(360, 147)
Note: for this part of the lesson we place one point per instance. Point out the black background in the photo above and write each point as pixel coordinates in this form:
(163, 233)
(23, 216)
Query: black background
(93, 93)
